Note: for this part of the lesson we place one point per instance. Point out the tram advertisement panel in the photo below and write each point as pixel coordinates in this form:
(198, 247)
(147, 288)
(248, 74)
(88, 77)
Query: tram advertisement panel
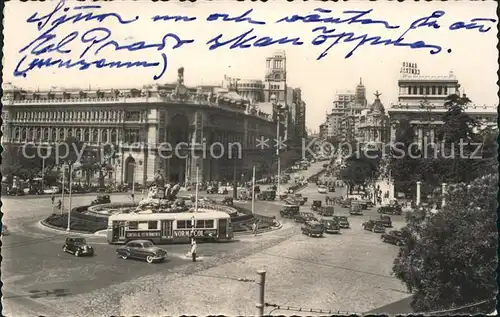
(142, 234)
(197, 233)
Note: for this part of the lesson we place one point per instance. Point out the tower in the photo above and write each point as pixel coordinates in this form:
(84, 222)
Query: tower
(361, 94)
(276, 77)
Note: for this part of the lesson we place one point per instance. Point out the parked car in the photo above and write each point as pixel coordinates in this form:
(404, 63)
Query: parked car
(374, 225)
(5, 230)
(394, 237)
(316, 205)
(268, 195)
(15, 191)
(143, 250)
(355, 210)
(300, 199)
(363, 203)
(101, 199)
(390, 210)
(228, 201)
(77, 246)
(322, 189)
(222, 191)
(343, 222)
(345, 203)
(330, 225)
(326, 211)
(312, 228)
(386, 221)
(305, 216)
(289, 211)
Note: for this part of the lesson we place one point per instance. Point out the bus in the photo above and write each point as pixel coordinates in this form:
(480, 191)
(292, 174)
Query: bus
(169, 227)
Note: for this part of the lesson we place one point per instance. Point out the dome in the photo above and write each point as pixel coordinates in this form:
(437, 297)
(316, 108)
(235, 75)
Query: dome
(377, 107)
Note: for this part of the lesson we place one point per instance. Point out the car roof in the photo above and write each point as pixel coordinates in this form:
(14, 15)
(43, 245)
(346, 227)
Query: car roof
(139, 241)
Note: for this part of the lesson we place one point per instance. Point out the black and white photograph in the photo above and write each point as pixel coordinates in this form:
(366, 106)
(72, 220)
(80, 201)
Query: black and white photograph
(249, 158)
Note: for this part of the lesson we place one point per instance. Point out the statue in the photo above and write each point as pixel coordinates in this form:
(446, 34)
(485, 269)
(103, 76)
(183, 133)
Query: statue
(377, 94)
(180, 91)
(168, 192)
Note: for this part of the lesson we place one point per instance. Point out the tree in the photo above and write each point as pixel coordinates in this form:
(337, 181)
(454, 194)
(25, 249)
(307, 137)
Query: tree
(361, 168)
(449, 258)
(98, 160)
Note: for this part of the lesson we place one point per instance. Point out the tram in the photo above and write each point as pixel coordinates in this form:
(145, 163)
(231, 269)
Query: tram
(169, 227)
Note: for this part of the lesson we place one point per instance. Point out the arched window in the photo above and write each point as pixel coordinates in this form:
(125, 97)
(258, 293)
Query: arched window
(46, 134)
(16, 134)
(79, 134)
(95, 136)
(70, 132)
(54, 134)
(87, 135)
(61, 134)
(105, 136)
(113, 136)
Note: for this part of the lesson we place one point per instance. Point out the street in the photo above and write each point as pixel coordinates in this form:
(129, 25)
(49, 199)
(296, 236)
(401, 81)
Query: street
(41, 278)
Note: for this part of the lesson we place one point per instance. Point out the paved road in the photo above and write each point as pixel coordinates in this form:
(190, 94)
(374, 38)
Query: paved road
(39, 278)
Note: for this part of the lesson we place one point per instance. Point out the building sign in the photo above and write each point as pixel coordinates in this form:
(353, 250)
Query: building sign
(197, 233)
(142, 234)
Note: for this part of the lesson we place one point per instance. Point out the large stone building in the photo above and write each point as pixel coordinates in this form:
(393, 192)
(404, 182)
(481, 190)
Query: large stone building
(421, 101)
(138, 121)
(374, 124)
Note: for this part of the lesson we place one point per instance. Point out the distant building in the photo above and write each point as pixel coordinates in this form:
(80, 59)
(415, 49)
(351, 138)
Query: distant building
(374, 124)
(421, 101)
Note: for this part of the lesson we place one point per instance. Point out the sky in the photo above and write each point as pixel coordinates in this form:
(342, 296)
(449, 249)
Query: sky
(473, 56)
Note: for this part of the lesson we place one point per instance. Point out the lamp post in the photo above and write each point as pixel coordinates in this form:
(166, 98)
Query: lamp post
(63, 183)
(197, 186)
(253, 190)
(279, 108)
(418, 193)
(133, 180)
(70, 187)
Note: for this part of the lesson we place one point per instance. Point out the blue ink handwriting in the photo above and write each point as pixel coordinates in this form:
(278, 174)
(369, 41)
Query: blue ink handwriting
(246, 41)
(176, 18)
(347, 37)
(242, 18)
(359, 17)
(472, 25)
(82, 65)
(56, 21)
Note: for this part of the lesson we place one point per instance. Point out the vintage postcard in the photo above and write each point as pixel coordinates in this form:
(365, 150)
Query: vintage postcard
(247, 158)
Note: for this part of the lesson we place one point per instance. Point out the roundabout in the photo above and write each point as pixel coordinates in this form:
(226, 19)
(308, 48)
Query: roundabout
(39, 278)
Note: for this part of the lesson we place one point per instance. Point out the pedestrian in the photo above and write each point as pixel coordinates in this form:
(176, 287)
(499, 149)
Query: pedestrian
(254, 228)
(52, 199)
(193, 249)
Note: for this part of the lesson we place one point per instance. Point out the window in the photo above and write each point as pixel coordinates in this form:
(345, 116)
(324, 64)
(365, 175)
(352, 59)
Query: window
(440, 90)
(421, 88)
(132, 116)
(152, 225)
(433, 90)
(133, 225)
(200, 224)
(209, 223)
(181, 224)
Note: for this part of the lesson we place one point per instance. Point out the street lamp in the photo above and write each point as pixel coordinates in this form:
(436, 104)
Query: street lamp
(197, 186)
(279, 108)
(133, 180)
(70, 187)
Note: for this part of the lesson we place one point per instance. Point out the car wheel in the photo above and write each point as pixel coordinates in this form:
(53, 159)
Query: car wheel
(124, 256)
(77, 253)
(149, 259)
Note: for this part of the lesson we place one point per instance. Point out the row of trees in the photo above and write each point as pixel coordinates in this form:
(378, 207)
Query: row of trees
(27, 163)
(449, 259)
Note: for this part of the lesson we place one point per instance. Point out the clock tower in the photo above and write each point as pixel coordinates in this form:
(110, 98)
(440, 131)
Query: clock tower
(275, 82)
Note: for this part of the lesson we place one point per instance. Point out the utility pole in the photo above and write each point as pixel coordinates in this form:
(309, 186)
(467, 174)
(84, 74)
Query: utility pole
(261, 283)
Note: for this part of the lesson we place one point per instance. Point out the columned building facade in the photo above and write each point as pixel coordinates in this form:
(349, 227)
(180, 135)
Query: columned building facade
(146, 127)
(374, 124)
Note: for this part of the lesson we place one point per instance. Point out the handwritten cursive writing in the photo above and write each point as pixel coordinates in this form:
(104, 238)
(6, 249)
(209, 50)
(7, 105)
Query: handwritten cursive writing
(357, 18)
(241, 18)
(176, 18)
(82, 64)
(246, 41)
(473, 25)
(56, 21)
(347, 37)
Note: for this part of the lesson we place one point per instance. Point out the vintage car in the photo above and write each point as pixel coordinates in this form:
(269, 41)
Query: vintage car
(291, 201)
(316, 205)
(5, 230)
(289, 211)
(374, 226)
(312, 228)
(326, 211)
(228, 201)
(283, 195)
(212, 190)
(363, 203)
(143, 250)
(77, 246)
(101, 199)
(390, 210)
(300, 199)
(322, 189)
(394, 237)
(386, 221)
(222, 191)
(343, 221)
(330, 225)
(355, 209)
(345, 203)
(305, 216)
(267, 195)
